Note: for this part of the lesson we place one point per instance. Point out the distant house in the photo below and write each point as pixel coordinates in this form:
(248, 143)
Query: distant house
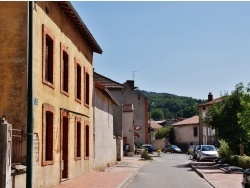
(63, 50)
(132, 95)
(207, 134)
(105, 154)
(187, 132)
(130, 117)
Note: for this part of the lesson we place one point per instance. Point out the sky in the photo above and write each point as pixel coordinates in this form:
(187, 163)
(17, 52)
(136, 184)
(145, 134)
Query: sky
(177, 47)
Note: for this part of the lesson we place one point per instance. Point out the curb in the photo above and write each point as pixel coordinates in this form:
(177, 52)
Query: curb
(124, 182)
(200, 174)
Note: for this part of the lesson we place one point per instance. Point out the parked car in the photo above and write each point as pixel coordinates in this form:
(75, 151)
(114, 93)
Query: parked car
(172, 149)
(207, 152)
(246, 178)
(148, 147)
(191, 149)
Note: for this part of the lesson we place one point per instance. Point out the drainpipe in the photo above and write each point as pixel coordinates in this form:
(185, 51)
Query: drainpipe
(30, 99)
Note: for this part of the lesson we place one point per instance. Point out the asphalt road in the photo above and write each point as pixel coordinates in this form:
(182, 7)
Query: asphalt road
(168, 171)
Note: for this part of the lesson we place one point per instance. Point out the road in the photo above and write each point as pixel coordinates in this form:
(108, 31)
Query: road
(168, 171)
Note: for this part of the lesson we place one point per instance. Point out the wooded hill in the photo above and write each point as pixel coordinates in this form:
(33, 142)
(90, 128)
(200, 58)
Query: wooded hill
(170, 106)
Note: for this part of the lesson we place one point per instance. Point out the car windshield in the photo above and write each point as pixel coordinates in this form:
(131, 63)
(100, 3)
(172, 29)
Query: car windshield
(174, 146)
(208, 148)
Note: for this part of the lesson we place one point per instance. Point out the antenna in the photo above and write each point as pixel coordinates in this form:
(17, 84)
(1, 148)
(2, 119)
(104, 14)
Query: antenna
(133, 77)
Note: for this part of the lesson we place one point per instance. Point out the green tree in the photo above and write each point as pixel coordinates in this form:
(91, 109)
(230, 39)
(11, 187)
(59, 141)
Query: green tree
(157, 114)
(224, 118)
(165, 132)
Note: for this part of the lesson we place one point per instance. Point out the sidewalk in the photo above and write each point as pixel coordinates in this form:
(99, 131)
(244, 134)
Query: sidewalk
(218, 177)
(120, 174)
(113, 177)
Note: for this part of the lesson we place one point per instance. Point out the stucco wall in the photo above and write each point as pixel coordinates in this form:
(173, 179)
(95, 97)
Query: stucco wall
(136, 98)
(128, 129)
(13, 84)
(185, 134)
(13, 67)
(105, 142)
(64, 32)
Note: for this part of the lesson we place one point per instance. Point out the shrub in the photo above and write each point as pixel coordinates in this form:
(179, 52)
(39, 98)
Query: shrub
(145, 155)
(244, 161)
(224, 151)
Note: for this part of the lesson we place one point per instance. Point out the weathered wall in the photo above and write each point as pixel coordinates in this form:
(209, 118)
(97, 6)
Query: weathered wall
(105, 142)
(13, 67)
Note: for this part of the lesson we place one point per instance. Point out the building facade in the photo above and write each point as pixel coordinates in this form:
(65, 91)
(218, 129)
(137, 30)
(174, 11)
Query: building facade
(63, 51)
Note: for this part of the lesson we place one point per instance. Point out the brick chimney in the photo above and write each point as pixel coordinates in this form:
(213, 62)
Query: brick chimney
(210, 96)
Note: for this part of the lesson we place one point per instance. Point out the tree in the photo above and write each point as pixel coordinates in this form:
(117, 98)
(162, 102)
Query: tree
(157, 114)
(164, 132)
(225, 118)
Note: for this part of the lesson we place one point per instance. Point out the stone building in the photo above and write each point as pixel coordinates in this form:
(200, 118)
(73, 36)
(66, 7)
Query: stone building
(63, 49)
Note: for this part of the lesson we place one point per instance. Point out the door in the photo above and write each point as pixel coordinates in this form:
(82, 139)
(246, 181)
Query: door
(64, 148)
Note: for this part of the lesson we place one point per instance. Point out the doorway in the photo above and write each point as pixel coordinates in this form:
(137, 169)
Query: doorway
(64, 148)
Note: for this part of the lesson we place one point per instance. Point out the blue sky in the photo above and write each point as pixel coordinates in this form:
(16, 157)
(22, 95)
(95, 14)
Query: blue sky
(183, 48)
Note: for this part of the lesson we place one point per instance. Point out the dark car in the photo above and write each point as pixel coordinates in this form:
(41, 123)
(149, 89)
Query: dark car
(246, 179)
(172, 149)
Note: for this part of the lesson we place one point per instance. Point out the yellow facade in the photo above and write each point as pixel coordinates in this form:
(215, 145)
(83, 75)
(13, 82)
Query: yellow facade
(49, 19)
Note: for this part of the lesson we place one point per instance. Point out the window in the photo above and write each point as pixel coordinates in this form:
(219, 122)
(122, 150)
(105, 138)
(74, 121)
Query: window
(48, 135)
(87, 89)
(195, 131)
(86, 142)
(64, 70)
(78, 82)
(78, 139)
(48, 58)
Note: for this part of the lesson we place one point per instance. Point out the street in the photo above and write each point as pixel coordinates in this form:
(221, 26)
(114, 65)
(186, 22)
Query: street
(170, 170)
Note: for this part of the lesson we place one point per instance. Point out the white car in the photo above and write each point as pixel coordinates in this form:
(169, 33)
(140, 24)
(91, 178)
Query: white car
(207, 152)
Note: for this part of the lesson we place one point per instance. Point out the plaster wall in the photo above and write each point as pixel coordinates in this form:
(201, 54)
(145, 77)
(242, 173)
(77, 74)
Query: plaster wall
(128, 128)
(105, 142)
(140, 114)
(185, 134)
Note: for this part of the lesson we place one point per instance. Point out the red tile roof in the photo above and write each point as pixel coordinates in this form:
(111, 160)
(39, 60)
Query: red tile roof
(108, 83)
(189, 121)
(155, 125)
(213, 101)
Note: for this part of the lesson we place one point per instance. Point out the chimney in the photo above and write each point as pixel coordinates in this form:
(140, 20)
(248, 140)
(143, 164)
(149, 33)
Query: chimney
(130, 83)
(210, 96)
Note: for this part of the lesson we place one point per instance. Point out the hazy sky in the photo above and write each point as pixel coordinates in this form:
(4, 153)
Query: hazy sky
(182, 48)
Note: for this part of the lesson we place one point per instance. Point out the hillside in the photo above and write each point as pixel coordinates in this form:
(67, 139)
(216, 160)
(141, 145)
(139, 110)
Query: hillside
(172, 105)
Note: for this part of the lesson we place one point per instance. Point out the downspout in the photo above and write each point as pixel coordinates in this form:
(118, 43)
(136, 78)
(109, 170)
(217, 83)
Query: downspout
(30, 99)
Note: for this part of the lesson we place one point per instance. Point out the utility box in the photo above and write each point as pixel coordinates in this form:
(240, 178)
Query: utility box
(5, 153)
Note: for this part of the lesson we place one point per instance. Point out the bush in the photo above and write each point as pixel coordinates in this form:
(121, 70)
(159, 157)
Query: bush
(224, 151)
(244, 161)
(145, 155)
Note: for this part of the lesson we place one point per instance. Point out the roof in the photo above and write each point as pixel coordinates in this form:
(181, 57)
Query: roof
(213, 101)
(79, 25)
(108, 83)
(155, 125)
(188, 121)
(106, 92)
